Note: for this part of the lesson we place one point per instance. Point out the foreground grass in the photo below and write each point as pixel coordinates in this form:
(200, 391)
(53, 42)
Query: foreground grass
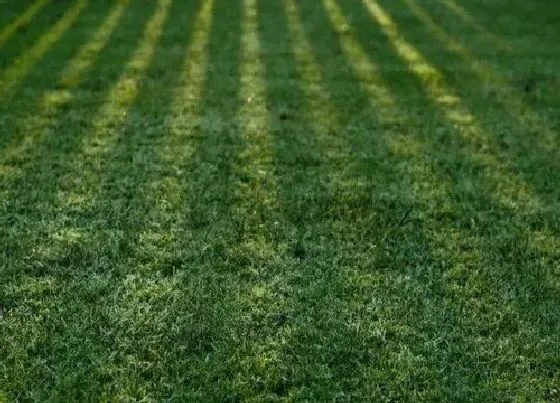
(270, 200)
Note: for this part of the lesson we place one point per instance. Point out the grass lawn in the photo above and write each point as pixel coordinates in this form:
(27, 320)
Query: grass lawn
(230, 200)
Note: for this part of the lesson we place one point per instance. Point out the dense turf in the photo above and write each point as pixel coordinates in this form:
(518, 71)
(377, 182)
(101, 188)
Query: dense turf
(279, 199)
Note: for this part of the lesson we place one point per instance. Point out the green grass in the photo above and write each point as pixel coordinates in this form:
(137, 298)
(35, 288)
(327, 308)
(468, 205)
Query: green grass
(280, 200)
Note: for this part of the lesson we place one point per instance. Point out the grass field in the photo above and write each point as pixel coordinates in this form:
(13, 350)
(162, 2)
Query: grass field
(211, 200)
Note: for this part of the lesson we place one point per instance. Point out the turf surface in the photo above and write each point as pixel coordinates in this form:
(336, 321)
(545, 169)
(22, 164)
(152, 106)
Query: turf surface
(270, 200)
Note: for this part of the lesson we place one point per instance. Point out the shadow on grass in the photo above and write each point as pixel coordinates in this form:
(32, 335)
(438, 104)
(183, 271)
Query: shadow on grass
(480, 24)
(500, 21)
(209, 229)
(17, 69)
(518, 261)
(402, 276)
(137, 257)
(227, 203)
(300, 343)
(17, 16)
(177, 295)
(13, 10)
(35, 182)
(524, 135)
(41, 245)
(23, 101)
(351, 321)
(153, 228)
(53, 103)
(25, 34)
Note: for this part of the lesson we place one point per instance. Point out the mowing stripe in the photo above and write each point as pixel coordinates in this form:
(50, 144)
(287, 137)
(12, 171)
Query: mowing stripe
(512, 191)
(113, 113)
(514, 104)
(191, 86)
(370, 81)
(71, 76)
(192, 81)
(468, 18)
(449, 241)
(366, 71)
(253, 114)
(50, 104)
(21, 67)
(23, 19)
(480, 68)
(317, 96)
(253, 86)
(257, 194)
(168, 200)
(319, 104)
(509, 191)
(185, 109)
(165, 195)
(382, 102)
